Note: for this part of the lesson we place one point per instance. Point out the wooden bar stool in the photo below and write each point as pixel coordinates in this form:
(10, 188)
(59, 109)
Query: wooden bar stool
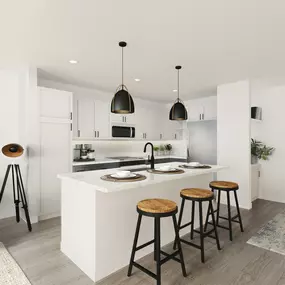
(200, 196)
(226, 186)
(157, 209)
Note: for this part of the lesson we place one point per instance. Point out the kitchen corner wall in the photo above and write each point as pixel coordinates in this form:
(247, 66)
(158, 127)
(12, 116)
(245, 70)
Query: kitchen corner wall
(133, 148)
(19, 124)
(269, 94)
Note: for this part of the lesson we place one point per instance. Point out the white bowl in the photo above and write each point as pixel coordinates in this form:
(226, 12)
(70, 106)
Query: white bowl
(84, 156)
(123, 173)
(165, 168)
(193, 163)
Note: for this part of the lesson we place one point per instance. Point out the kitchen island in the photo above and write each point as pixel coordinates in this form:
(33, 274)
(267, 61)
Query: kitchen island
(99, 217)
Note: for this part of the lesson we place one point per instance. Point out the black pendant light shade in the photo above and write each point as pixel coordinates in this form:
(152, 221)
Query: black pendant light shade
(122, 102)
(178, 111)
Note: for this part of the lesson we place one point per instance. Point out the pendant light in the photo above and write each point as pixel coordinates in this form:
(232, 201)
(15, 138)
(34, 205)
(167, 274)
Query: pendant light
(178, 111)
(122, 102)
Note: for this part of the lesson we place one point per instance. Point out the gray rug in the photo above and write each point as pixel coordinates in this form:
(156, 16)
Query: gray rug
(10, 272)
(272, 235)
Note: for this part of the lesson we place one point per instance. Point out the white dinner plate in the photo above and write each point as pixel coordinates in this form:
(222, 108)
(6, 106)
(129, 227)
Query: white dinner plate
(115, 175)
(168, 170)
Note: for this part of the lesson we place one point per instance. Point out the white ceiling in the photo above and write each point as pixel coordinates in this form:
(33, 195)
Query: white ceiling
(215, 42)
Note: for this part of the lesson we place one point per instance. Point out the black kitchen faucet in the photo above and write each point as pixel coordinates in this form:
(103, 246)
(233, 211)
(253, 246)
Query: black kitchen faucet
(152, 156)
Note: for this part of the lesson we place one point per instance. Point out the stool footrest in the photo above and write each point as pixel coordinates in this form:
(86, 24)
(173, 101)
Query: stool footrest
(169, 256)
(234, 219)
(185, 225)
(190, 243)
(145, 245)
(205, 234)
(210, 236)
(145, 270)
(220, 226)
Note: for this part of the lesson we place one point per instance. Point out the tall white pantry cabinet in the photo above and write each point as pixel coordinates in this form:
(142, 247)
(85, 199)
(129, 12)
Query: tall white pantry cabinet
(55, 147)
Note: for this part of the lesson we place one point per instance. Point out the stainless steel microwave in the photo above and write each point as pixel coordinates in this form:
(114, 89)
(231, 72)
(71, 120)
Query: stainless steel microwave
(123, 132)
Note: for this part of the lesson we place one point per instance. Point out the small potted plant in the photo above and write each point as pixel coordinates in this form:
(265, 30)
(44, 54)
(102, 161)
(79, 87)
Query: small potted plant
(260, 151)
(161, 149)
(155, 149)
(168, 148)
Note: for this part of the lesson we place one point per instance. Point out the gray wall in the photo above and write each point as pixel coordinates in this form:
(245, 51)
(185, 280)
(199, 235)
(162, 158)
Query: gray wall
(203, 141)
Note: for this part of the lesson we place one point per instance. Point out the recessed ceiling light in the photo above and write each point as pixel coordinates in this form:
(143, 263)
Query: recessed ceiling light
(137, 80)
(174, 90)
(72, 61)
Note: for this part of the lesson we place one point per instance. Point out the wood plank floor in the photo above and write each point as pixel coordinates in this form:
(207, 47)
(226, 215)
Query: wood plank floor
(38, 254)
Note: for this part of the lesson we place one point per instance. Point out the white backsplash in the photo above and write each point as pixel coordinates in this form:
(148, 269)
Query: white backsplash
(133, 148)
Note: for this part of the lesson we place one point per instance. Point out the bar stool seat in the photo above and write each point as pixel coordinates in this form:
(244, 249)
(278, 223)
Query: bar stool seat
(157, 206)
(157, 209)
(224, 185)
(196, 193)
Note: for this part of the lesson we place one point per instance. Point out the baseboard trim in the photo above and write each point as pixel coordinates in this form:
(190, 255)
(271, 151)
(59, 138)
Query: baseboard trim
(49, 216)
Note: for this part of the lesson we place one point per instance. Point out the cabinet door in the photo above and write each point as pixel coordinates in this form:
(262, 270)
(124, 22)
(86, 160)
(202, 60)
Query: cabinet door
(210, 108)
(117, 118)
(140, 125)
(55, 159)
(130, 118)
(102, 117)
(55, 103)
(194, 109)
(85, 118)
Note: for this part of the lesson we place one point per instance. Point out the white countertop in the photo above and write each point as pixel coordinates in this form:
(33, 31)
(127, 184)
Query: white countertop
(109, 160)
(92, 178)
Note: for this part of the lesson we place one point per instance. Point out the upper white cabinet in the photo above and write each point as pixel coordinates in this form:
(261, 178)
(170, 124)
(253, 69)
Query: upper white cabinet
(91, 118)
(85, 119)
(101, 119)
(123, 118)
(202, 109)
(209, 108)
(170, 129)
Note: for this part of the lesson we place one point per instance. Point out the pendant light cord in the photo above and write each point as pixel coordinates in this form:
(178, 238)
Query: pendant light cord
(178, 84)
(123, 66)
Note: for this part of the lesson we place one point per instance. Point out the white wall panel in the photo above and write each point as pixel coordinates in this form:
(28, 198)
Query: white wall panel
(233, 137)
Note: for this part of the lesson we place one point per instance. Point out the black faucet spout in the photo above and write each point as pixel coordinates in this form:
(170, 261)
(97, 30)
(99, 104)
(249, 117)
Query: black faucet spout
(152, 155)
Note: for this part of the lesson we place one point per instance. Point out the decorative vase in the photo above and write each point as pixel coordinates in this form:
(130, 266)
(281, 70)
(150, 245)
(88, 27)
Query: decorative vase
(254, 159)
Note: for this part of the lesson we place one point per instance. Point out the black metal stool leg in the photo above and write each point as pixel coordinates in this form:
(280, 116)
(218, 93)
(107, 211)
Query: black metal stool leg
(218, 207)
(207, 216)
(192, 219)
(176, 229)
(157, 253)
(180, 219)
(135, 245)
(214, 224)
(238, 210)
(16, 194)
(154, 244)
(207, 219)
(201, 232)
(21, 189)
(5, 181)
(229, 215)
